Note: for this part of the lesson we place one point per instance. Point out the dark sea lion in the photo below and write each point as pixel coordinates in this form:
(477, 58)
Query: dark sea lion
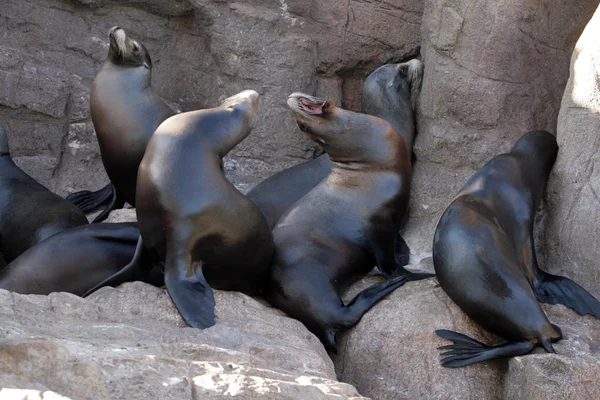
(484, 257)
(345, 225)
(386, 94)
(191, 216)
(29, 213)
(72, 261)
(125, 112)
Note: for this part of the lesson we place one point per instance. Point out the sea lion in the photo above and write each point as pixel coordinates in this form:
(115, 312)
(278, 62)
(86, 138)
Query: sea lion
(29, 213)
(125, 112)
(191, 216)
(73, 261)
(340, 229)
(386, 94)
(484, 257)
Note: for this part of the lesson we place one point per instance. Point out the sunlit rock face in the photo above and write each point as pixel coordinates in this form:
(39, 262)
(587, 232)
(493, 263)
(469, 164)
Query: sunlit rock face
(573, 198)
(492, 72)
(131, 343)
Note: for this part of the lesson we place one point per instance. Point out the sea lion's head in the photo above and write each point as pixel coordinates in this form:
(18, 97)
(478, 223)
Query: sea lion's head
(390, 85)
(4, 149)
(538, 145)
(345, 135)
(387, 94)
(125, 51)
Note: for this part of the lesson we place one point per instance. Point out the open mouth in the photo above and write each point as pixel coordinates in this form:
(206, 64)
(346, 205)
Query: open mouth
(306, 104)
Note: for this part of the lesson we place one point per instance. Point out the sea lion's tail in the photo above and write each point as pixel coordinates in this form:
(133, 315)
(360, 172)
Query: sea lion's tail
(554, 289)
(466, 351)
(87, 201)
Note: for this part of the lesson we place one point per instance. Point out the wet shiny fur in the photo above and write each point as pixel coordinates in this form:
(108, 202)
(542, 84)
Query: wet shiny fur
(386, 94)
(345, 225)
(484, 256)
(125, 112)
(193, 218)
(29, 213)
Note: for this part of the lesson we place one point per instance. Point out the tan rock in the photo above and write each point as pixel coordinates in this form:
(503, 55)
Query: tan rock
(130, 342)
(572, 196)
(492, 72)
(122, 215)
(392, 353)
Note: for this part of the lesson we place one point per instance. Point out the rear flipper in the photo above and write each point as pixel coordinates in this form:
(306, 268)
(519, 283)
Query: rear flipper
(88, 201)
(358, 306)
(191, 294)
(555, 289)
(466, 351)
(126, 274)
(116, 203)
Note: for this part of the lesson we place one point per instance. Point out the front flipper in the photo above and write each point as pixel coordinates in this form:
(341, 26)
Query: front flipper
(191, 294)
(116, 203)
(554, 289)
(466, 351)
(126, 274)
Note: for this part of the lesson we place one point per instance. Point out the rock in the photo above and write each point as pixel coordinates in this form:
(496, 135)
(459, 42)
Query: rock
(492, 72)
(572, 373)
(24, 394)
(130, 342)
(122, 215)
(43, 89)
(39, 168)
(392, 352)
(539, 377)
(81, 165)
(573, 222)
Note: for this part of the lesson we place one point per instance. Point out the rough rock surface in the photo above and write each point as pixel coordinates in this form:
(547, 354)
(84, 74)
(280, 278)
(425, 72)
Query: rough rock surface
(131, 343)
(492, 72)
(122, 215)
(202, 51)
(392, 353)
(574, 187)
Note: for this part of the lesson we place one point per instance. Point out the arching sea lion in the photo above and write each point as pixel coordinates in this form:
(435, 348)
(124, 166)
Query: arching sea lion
(125, 111)
(73, 261)
(335, 233)
(386, 94)
(29, 213)
(191, 216)
(484, 257)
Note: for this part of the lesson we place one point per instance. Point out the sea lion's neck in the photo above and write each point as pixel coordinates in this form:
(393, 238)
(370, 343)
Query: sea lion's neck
(131, 77)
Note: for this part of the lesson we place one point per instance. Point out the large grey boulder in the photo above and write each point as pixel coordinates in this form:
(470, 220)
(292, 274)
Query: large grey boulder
(573, 202)
(392, 353)
(130, 342)
(492, 72)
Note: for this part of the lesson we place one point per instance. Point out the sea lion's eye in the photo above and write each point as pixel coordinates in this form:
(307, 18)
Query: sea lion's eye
(135, 47)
